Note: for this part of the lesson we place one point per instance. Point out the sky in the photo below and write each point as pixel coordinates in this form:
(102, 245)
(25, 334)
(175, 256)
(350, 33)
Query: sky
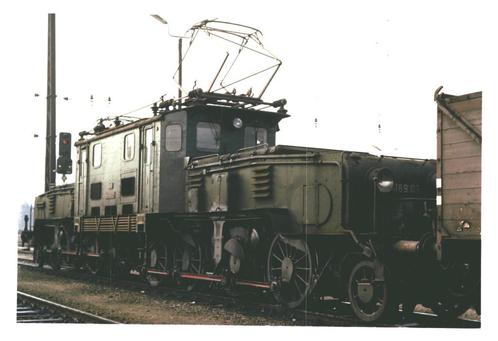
(352, 65)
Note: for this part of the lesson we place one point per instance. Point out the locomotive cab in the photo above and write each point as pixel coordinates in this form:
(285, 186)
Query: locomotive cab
(222, 124)
(146, 175)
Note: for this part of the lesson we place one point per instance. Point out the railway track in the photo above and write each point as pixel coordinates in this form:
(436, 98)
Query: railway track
(326, 313)
(32, 309)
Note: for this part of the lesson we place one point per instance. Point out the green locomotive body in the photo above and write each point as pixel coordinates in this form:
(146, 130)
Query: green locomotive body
(200, 192)
(53, 221)
(323, 192)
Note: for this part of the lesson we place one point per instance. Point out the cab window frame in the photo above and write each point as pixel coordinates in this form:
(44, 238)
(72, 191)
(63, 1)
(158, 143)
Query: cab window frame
(125, 145)
(218, 133)
(148, 143)
(94, 165)
(255, 130)
(175, 147)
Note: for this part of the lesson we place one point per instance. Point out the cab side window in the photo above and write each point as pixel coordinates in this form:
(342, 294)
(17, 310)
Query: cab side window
(129, 147)
(97, 155)
(173, 138)
(254, 136)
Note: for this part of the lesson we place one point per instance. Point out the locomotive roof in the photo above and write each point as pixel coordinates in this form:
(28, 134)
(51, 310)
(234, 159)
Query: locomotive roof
(261, 150)
(197, 99)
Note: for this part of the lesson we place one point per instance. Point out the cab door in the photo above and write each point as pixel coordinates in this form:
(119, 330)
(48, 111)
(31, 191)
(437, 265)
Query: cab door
(147, 169)
(82, 182)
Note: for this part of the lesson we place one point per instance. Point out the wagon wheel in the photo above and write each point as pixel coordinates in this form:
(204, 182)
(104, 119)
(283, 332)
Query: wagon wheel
(188, 258)
(461, 282)
(289, 264)
(449, 307)
(370, 298)
(158, 260)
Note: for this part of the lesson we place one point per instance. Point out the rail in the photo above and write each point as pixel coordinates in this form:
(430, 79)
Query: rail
(328, 313)
(79, 315)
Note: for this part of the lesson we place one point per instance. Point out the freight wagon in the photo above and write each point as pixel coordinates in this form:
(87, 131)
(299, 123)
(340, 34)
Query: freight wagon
(458, 225)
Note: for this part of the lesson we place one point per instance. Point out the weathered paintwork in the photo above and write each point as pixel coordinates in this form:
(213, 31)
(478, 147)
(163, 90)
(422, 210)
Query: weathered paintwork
(459, 138)
(322, 191)
(459, 165)
(56, 203)
(158, 171)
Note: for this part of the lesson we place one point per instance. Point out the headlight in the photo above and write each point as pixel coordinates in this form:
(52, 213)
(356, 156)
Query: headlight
(383, 178)
(385, 185)
(237, 122)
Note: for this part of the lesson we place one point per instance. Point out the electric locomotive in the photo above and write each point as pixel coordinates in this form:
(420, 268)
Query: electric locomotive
(201, 193)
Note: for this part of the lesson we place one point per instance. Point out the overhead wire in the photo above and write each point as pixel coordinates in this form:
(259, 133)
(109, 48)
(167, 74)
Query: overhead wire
(211, 31)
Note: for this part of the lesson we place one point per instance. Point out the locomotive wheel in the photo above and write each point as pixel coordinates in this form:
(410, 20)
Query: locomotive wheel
(98, 265)
(370, 298)
(39, 256)
(289, 264)
(55, 260)
(188, 258)
(120, 267)
(92, 265)
(158, 260)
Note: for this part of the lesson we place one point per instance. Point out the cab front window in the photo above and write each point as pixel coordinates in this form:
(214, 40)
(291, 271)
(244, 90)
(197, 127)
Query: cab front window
(208, 136)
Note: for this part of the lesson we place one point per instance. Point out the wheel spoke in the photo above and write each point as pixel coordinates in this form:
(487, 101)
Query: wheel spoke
(297, 261)
(302, 280)
(299, 291)
(280, 260)
(281, 249)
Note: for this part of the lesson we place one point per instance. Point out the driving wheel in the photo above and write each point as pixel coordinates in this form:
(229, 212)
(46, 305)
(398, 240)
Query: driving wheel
(158, 260)
(289, 265)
